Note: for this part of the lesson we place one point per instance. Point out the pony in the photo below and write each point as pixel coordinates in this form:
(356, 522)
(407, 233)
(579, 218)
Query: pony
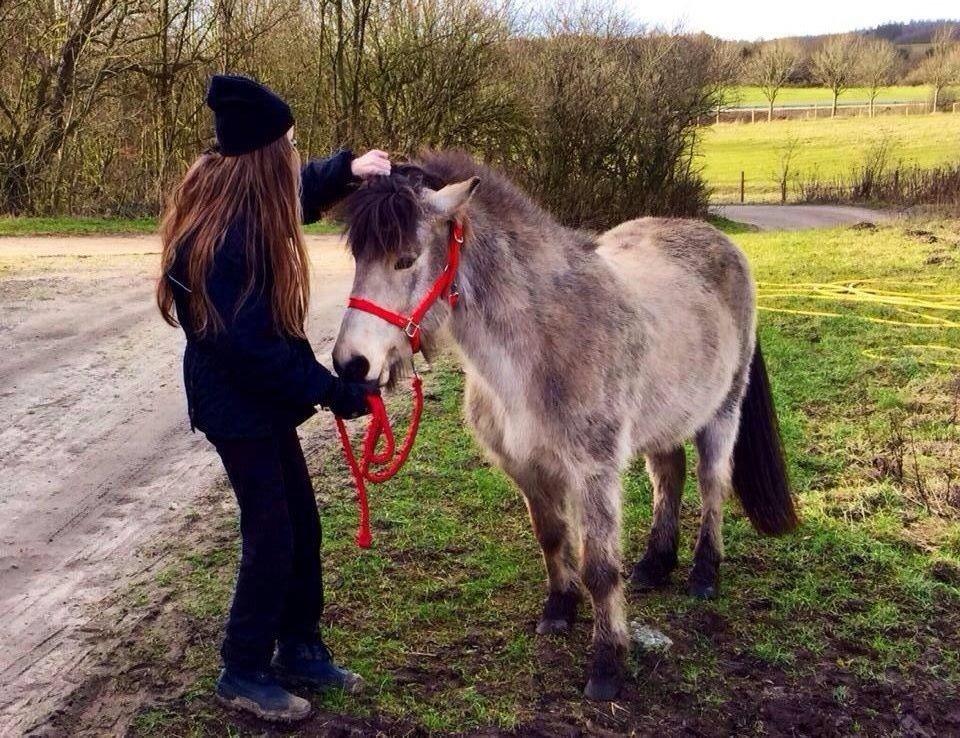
(579, 353)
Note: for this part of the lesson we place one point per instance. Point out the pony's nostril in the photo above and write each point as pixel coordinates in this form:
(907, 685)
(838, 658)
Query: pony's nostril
(355, 370)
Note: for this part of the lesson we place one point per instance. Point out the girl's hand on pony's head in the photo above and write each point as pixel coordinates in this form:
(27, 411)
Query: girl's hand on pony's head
(374, 163)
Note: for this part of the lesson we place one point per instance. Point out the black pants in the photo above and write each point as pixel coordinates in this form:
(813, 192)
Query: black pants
(279, 592)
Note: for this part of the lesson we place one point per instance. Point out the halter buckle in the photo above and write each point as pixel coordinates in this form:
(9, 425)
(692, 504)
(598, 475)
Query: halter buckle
(411, 329)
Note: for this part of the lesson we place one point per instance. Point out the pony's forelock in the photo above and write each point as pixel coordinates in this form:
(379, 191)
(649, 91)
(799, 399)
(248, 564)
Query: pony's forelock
(382, 214)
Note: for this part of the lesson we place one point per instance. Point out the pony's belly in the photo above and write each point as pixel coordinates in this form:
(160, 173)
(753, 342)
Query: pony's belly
(665, 422)
(686, 378)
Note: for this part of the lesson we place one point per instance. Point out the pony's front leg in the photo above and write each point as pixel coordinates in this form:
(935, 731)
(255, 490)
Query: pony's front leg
(548, 498)
(548, 501)
(600, 573)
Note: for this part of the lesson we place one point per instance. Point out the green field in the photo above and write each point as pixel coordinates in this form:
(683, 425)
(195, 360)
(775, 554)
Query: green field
(826, 148)
(851, 626)
(747, 96)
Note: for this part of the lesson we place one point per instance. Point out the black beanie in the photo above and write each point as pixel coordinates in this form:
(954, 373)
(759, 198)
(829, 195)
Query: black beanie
(248, 115)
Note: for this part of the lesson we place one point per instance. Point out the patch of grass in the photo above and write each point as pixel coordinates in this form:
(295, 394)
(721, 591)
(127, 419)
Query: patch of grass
(324, 227)
(846, 616)
(826, 148)
(730, 227)
(748, 96)
(69, 226)
(75, 226)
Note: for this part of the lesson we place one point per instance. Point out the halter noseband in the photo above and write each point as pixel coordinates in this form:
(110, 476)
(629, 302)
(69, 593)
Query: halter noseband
(443, 286)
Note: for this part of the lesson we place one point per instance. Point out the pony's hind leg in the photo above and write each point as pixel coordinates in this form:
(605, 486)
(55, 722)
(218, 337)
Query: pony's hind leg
(600, 573)
(666, 472)
(715, 443)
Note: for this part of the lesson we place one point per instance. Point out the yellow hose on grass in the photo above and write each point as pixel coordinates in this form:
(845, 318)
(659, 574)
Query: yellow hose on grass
(916, 310)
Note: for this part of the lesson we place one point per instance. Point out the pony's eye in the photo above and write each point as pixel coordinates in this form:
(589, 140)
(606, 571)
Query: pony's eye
(404, 262)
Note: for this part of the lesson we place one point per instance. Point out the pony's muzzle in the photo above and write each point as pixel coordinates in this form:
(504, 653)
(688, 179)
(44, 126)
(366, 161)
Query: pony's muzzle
(353, 369)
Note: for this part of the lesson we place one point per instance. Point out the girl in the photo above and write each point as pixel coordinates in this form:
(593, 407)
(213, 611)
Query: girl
(235, 277)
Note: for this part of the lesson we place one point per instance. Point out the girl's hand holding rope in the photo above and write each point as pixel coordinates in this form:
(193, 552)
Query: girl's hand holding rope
(348, 400)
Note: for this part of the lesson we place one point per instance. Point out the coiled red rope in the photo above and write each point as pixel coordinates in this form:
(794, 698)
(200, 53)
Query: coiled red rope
(388, 459)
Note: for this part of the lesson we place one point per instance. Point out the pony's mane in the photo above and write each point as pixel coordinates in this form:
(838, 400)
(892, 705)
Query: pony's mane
(382, 214)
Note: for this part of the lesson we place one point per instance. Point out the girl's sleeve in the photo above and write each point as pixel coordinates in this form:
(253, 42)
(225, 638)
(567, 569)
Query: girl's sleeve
(261, 359)
(325, 181)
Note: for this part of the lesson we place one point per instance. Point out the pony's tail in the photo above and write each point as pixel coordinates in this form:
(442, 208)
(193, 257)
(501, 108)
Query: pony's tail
(759, 467)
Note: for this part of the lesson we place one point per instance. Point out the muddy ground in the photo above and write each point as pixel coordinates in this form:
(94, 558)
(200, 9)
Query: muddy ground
(99, 466)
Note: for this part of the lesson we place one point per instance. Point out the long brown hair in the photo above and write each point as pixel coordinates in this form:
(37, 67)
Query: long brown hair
(262, 189)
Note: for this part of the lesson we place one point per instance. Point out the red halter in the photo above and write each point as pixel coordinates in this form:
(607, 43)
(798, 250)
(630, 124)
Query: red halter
(380, 426)
(442, 287)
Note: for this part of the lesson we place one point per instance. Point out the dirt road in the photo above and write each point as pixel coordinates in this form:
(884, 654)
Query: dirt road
(800, 217)
(96, 452)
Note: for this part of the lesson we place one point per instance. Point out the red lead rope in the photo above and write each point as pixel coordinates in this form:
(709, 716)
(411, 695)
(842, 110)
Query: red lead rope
(379, 428)
(389, 459)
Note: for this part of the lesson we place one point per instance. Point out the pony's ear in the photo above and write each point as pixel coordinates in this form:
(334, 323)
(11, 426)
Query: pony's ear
(448, 200)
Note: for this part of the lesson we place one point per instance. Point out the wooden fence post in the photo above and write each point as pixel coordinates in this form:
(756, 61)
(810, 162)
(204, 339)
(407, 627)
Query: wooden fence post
(743, 181)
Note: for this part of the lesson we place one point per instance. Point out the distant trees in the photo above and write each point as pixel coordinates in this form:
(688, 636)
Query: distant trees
(878, 65)
(834, 65)
(844, 61)
(771, 67)
(941, 68)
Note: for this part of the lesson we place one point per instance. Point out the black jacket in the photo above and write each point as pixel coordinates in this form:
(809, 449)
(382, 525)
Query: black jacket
(248, 380)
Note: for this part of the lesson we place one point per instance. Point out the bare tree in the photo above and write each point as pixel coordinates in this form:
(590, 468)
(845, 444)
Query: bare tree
(785, 156)
(879, 63)
(834, 65)
(941, 68)
(770, 68)
(63, 58)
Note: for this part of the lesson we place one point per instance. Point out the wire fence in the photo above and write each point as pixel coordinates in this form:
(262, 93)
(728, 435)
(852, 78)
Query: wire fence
(762, 113)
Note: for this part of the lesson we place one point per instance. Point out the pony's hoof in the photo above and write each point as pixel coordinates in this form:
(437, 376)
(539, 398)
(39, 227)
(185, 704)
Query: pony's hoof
(704, 581)
(550, 627)
(603, 688)
(559, 613)
(702, 590)
(647, 576)
(606, 672)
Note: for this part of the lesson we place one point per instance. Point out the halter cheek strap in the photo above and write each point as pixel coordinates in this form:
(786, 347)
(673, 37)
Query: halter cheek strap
(443, 287)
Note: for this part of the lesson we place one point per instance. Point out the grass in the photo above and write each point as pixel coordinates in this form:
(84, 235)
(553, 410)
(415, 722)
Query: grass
(79, 226)
(825, 148)
(845, 627)
(747, 96)
(73, 226)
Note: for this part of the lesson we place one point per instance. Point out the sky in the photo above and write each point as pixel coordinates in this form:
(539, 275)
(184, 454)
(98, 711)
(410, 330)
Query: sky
(751, 20)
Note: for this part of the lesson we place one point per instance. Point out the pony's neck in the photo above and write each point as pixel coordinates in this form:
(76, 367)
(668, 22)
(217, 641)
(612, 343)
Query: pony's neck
(506, 273)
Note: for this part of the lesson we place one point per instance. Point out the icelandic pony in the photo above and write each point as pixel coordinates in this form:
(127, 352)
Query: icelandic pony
(579, 353)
